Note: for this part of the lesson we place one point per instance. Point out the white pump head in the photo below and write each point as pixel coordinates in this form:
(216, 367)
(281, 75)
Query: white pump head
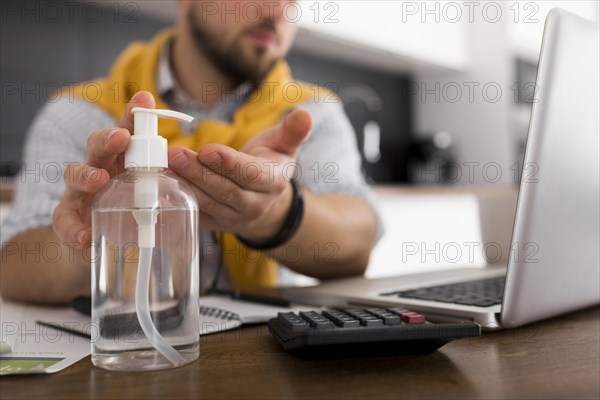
(147, 149)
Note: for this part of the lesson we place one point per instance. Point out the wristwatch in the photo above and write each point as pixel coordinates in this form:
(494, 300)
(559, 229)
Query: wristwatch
(290, 225)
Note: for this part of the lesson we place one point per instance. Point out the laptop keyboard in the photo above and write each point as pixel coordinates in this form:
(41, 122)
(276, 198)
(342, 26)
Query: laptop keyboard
(482, 293)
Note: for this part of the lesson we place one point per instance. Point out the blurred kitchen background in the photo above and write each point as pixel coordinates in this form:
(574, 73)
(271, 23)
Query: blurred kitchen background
(439, 92)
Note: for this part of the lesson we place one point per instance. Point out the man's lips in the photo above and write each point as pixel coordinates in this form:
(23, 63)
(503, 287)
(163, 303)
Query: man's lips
(263, 38)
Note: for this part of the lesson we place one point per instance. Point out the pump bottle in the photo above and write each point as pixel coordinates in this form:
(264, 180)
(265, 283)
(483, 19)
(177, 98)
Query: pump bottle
(145, 277)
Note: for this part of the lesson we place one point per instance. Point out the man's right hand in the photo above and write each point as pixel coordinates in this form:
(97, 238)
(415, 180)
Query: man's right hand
(105, 151)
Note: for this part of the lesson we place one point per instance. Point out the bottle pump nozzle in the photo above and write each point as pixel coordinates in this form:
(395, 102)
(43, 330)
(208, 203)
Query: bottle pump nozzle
(147, 151)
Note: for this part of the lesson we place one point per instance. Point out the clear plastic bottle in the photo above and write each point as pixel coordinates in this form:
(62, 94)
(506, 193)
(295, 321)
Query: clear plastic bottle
(145, 272)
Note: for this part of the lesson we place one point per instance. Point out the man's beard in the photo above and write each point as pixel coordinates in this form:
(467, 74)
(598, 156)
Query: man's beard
(229, 61)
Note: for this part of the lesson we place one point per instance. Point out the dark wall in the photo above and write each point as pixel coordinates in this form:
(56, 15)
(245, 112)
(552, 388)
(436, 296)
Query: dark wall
(367, 96)
(45, 47)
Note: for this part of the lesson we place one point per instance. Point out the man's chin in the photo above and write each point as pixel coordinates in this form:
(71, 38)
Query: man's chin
(260, 68)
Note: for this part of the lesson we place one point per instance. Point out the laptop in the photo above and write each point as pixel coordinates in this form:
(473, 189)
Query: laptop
(554, 264)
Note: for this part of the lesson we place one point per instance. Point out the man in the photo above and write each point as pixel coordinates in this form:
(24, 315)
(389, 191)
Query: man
(229, 73)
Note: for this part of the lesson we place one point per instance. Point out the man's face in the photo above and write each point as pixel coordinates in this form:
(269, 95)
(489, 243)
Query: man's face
(243, 39)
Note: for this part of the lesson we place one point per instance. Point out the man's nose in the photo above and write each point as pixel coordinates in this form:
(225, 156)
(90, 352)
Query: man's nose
(274, 11)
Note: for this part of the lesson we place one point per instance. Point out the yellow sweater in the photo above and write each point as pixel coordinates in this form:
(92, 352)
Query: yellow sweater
(135, 70)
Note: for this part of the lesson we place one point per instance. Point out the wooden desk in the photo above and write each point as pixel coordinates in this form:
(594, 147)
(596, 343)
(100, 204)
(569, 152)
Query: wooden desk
(7, 189)
(559, 358)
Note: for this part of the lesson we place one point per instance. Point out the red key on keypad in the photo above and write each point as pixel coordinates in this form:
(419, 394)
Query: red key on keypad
(412, 318)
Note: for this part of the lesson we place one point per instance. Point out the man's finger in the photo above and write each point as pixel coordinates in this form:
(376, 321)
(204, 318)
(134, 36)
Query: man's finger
(289, 136)
(219, 188)
(104, 147)
(68, 225)
(249, 172)
(296, 129)
(83, 178)
(140, 99)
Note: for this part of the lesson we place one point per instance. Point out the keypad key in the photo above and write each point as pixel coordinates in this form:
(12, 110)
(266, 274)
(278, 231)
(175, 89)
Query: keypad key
(341, 319)
(398, 310)
(467, 300)
(365, 318)
(316, 320)
(485, 303)
(293, 322)
(371, 321)
(375, 311)
(387, 317)
(412, 318)
(390, 319)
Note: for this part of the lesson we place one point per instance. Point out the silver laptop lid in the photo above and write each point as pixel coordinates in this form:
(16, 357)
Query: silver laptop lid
(555, 264)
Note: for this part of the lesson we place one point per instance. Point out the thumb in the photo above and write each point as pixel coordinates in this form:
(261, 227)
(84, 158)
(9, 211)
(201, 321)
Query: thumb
(140, 99)
(294, 131)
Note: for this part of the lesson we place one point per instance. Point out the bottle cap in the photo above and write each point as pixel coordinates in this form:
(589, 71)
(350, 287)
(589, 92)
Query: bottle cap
(147, 149)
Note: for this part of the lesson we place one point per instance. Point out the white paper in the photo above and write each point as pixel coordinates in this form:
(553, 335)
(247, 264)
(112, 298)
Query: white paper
(38, 349)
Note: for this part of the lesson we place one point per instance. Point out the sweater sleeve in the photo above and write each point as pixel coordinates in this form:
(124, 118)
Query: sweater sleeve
(329, 162)
(56, 138)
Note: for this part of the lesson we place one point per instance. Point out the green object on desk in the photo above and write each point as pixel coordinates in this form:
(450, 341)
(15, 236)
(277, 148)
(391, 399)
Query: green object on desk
(9, 366)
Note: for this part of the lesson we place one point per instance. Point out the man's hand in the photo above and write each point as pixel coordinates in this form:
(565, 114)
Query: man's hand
(105, 149)
(248, 191)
